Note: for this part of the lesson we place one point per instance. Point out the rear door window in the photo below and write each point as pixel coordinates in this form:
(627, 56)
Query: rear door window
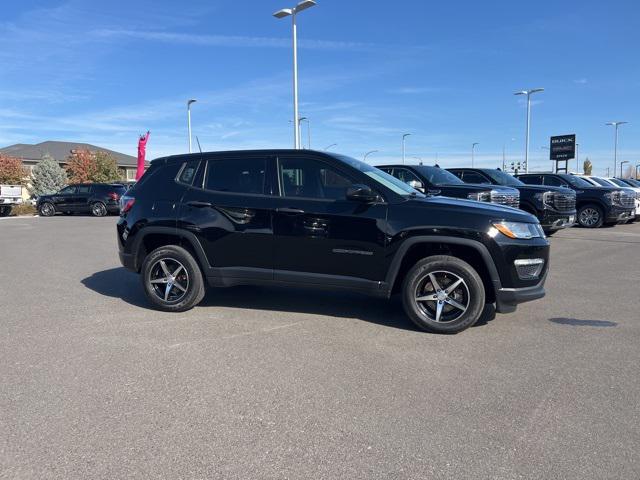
(236, 175)
(188, 172)
(531, 179)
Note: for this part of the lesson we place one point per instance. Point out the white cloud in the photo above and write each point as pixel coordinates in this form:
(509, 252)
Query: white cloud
(581, 81)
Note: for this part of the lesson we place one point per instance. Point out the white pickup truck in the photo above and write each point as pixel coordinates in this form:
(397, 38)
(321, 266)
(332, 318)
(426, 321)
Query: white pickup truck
(10, 195)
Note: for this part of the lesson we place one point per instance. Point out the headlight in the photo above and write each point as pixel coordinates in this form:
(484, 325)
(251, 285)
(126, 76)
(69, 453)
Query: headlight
(519, 230)
(480, 196)
(545, 197)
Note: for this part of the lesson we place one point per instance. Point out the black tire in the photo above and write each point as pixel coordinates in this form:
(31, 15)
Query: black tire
(418, 284)
(5, 210)
(46, 209)
(590, 216)
(190, 281)
(98, 209)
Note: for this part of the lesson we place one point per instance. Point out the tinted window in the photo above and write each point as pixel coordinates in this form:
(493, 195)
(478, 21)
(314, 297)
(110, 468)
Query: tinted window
(619, 182)
(83, 189)
(601, 182)
(503, 178)
(67, 190)
(311, 179)
(473, 177)
(438, 176)
(237, 175)
(576, 181)
(188, 172)
(405, 175)
(554, 182)
(531, 179)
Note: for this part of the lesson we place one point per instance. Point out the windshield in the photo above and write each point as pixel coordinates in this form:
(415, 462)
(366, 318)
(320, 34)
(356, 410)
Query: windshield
(383, 178)
(601, 181)
(576, 181)
(632, 182)
(619, 183)
(438, 176)
(503, 178)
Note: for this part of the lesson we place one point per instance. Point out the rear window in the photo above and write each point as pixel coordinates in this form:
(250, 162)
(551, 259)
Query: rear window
(236, 175)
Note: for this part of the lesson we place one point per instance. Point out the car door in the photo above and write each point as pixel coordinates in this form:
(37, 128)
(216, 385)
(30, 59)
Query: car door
(63, 200)
(228, 208)
(317, 231)
(80, 201)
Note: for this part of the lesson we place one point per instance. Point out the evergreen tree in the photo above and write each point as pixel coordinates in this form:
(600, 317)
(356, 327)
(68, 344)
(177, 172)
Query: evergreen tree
(587, 167)
(47, 177)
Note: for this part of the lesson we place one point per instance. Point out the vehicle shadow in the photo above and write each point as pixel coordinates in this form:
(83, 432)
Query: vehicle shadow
(123, 284)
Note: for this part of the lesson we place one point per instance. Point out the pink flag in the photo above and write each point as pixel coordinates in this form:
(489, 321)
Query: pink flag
(142, 151)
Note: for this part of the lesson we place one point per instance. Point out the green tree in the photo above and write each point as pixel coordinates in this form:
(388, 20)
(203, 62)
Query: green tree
(106, 168)
(11, 170)
(47, 176)
(587, 167)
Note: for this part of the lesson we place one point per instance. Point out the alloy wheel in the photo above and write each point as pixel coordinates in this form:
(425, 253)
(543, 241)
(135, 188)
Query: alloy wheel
(589, 217)
(98, 209)
(169, 280)
(442, 296)
(47, 209)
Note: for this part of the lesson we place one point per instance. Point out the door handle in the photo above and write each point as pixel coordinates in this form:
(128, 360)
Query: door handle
(291, 211)
(198, 204)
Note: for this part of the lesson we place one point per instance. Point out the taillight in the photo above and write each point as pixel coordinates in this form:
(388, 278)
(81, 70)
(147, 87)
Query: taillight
(113, 196)
(126, 203)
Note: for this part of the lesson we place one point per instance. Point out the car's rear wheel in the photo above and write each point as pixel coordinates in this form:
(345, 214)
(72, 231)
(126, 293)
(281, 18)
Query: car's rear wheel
(443, 294)
(172, 279)
(47, 209)
(590, 216)
(5, 210)
(98, 209)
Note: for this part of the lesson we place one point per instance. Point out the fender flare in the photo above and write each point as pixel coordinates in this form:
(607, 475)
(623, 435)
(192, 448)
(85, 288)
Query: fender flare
(477, 246)
(174, 232)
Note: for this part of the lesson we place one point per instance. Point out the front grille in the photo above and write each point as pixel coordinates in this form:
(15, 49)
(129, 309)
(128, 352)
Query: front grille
(564, 202)
(627, 200)
(508, 199)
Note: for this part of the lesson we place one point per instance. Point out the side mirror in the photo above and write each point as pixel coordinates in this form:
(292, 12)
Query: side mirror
(361, 193)
(417, 184)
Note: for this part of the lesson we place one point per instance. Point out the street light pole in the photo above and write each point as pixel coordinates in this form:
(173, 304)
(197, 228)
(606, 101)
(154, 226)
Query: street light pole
(364, 159)
(403, 137)
(615, 144)
(621, 164)
(285, 12)
(473, 153)
(306, 119)
(528, 93)
(193, 100)
(577, 161)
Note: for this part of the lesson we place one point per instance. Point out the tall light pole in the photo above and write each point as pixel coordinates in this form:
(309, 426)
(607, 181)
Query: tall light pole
(329, 146)
(193, 100)
(403, 137)
(615, 144)
(285, 12)
(473, 153)
(306, 119)
(621, 164)
(528, 93)
(364, 159)
(577, 160)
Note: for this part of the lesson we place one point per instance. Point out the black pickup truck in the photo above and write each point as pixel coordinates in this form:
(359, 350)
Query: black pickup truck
(596, 206)
(555, 207)
(437, 181)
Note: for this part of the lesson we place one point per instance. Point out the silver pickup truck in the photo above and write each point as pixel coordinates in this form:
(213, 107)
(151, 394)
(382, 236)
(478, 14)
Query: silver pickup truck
(10, 195)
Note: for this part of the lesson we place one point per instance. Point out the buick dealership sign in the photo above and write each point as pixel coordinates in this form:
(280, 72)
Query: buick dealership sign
(563, 147)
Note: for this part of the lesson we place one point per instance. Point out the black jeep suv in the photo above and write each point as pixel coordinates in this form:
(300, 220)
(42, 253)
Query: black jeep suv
(596, 205)
(99, 199)
(555, 207)
(306, 218)
(437, 181)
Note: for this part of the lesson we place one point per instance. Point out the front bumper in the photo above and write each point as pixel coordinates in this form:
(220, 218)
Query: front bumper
(507, 299)
(556, 220)
(620, 215)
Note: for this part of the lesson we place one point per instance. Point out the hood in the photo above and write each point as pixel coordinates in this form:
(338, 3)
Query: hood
(493, 210)
(478, 187)
(543, 188)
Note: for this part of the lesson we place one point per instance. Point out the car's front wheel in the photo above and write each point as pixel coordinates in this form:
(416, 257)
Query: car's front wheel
(172, 279)
(590, 216)
(443, 294)
(47, 209)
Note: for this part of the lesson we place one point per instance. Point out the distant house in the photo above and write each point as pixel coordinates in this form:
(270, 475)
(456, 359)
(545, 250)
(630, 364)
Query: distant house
(32, 154)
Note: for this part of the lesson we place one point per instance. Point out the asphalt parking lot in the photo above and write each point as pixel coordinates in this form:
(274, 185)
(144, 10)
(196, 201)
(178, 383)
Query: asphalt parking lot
(271, 383)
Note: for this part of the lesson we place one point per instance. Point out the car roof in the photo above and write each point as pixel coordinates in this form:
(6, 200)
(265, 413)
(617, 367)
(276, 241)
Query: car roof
(182, 157)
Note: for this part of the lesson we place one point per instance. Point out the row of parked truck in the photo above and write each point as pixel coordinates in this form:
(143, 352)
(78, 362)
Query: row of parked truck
(558, 200)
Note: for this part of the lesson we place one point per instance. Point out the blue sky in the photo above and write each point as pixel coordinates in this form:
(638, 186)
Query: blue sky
(103, 72)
